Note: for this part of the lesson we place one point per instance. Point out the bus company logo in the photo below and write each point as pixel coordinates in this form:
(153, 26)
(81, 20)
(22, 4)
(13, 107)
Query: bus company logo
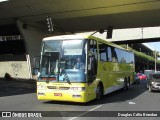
(6, 114)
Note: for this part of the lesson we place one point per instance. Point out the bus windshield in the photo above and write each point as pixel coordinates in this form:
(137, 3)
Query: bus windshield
(63, 61)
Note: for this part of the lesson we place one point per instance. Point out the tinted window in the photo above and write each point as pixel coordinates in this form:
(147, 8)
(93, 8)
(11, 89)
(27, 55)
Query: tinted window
(104, 52)
(124, 56)
(120, 56)
(156, 76)
(109, 53)
(114, 54)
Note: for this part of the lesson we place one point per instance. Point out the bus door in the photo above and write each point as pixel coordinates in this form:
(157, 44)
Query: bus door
(92, 68)
(92, 61)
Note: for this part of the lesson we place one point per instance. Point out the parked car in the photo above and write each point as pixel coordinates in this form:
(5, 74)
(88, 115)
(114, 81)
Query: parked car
(153, 82)
(142, 76)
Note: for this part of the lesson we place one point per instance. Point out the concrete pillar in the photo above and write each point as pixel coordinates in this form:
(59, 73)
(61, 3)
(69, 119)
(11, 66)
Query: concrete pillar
(32, 35)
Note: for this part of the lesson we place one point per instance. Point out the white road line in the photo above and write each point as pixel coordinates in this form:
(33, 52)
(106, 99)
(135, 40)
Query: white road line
(132, 103)
(86, 112)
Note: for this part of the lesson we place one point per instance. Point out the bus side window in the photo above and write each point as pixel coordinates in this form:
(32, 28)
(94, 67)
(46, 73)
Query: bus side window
(109, 54)
(114, 55)
(102, 52)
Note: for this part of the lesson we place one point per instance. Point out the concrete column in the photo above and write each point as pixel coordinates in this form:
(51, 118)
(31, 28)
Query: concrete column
(32, 35)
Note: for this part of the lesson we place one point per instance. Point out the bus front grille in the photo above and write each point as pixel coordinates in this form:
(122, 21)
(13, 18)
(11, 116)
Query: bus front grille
(64, 88)
(60, 88)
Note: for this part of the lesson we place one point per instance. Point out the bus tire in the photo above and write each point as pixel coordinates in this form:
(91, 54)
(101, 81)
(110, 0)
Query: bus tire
(126, 84)
(99, 91)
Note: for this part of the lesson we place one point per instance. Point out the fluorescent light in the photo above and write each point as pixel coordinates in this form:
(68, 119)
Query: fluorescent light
(3, 0)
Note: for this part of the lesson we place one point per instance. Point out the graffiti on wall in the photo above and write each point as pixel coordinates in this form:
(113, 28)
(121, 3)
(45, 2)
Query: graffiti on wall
(16, 68)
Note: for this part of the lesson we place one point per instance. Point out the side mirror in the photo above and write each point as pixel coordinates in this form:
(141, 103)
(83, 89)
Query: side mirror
(36, 65)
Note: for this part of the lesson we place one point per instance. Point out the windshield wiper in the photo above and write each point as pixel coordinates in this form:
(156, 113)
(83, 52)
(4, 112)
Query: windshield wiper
(66, 78)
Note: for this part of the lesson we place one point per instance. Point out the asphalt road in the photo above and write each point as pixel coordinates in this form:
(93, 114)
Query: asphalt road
(21, 97)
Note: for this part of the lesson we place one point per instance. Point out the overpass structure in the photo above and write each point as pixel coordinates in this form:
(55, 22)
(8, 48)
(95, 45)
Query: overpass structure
(27, 19)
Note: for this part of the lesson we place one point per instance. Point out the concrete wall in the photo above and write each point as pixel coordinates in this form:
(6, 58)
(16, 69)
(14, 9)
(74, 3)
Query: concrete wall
(16, 65)
(17, 69)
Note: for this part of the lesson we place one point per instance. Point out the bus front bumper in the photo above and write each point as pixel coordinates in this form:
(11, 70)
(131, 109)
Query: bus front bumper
(62, 96)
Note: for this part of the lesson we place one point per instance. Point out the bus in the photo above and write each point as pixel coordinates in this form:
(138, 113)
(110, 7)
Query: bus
(79, 68)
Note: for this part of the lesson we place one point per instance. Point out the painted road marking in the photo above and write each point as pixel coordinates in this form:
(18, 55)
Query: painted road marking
(86, 112)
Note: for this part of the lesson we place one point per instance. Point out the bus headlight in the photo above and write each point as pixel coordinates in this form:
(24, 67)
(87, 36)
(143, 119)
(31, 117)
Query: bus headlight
(41, 87)
(77, 88)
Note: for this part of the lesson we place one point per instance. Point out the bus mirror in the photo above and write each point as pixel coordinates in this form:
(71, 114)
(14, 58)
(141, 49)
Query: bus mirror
(36, 65)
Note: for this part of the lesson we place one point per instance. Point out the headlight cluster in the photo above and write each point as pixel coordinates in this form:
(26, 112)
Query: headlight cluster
(77, 88)
(153, 83)
(41, 87)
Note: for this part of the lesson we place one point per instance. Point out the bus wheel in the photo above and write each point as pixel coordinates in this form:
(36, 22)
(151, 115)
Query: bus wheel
(126, 84)
(99, 92)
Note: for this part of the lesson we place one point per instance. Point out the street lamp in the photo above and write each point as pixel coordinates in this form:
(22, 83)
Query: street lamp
(155, 62)
(156, 58)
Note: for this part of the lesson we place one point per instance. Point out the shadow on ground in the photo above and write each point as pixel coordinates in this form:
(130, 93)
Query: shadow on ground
(117, 96)
(16, 87)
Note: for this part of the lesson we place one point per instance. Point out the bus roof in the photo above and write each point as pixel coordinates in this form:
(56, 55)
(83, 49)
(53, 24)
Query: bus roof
(77, 36)
(66, 37)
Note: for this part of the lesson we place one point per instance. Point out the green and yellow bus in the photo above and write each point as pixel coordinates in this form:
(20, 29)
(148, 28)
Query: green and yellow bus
(82, 68)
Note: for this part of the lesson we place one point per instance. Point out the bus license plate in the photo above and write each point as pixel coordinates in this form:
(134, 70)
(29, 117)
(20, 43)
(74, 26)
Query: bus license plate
(57, 94)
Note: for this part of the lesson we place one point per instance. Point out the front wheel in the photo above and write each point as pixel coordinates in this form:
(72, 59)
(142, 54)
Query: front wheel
(126, 84)
(99, 92)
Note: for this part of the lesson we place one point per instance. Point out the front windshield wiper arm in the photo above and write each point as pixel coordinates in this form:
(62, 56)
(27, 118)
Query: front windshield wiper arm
(66, 78)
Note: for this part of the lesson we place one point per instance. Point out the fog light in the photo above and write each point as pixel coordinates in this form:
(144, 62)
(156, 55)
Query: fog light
(76, 96)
